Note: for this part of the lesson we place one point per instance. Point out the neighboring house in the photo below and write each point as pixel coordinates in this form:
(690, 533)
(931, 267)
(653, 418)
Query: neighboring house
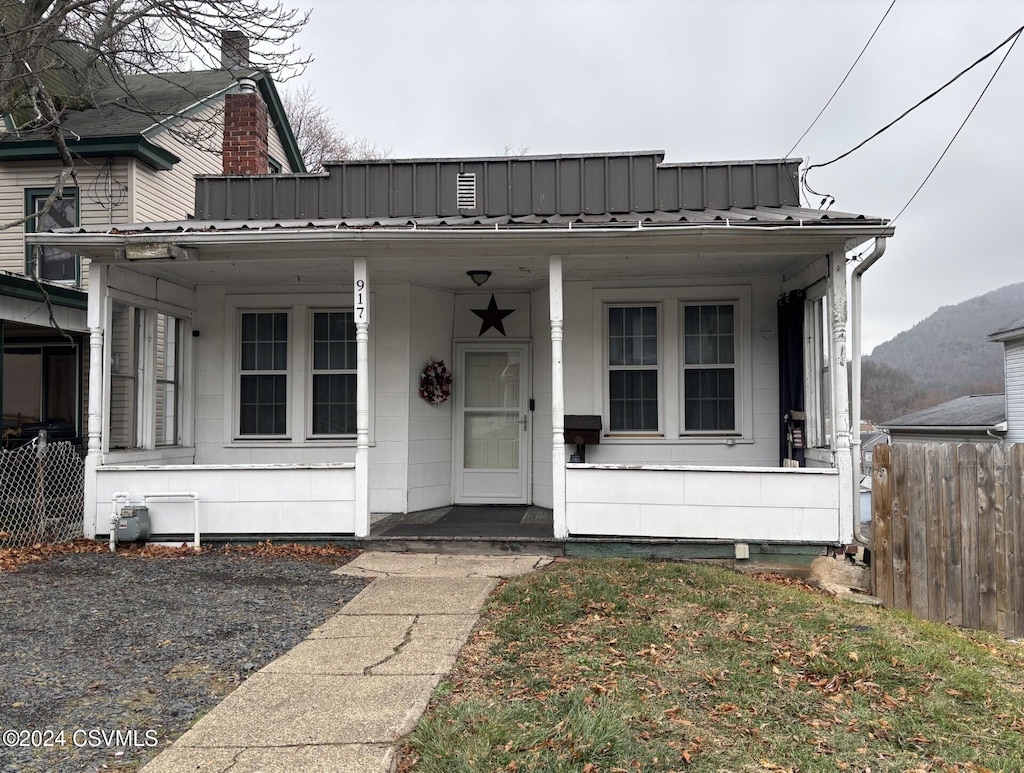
(868, 441)
(130, 168)
(1012, 338)
(967, 419)
(695, 313)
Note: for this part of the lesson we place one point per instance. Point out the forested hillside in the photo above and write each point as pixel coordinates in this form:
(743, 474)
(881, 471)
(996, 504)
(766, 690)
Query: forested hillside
(943, 356)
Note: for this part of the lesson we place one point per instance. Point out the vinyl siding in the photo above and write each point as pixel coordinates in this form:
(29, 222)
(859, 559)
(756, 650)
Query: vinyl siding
(93, 197)
(170, 195)
(1015, 391)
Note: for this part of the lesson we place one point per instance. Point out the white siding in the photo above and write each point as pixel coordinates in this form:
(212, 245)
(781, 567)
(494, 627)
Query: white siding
(281, 499)
(276, 148)
(170, 195)
(742, 505)
(1015, 390)
(430, 426)
(389, 421)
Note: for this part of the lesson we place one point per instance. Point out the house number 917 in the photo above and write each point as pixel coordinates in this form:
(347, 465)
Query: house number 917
(360, 303)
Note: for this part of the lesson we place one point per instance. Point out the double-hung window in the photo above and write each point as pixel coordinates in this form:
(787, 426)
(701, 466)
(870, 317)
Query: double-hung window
(296, 373)
(51, 263)
(633, 373)
(334, 373)
(146, 356)
(709, 367)
(263, 382)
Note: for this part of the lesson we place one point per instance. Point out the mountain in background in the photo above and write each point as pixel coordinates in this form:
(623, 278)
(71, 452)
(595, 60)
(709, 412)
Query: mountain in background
(944, 356)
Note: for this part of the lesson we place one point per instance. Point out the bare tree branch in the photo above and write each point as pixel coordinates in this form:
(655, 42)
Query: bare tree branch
(319, 136)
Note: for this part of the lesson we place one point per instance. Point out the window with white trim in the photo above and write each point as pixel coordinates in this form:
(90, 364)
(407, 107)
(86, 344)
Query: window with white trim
(633, 373)
(677, 364)
(263, 377)
(167, 378)
(145, 349)
(709, 367)
(818, 387)
(295, 377)
(333, 386)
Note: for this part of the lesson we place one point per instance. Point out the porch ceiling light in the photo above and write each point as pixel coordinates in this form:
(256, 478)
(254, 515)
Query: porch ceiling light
(479, 277)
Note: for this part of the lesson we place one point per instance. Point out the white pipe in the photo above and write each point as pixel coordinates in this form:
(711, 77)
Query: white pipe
(115, 514)
(193, 495)
(855, 299)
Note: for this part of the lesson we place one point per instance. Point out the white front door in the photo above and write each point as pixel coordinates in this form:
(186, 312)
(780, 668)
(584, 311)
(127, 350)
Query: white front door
(492, 423)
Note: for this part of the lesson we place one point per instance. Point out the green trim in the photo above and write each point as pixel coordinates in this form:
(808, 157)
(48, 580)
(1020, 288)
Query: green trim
(279, 119)
(26, 289)
(99, 147)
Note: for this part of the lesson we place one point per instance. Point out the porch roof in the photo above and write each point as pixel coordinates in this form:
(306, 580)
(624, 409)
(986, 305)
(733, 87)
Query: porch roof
(754, 217)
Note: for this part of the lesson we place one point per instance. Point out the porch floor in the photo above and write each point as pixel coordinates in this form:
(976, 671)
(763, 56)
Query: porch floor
(522, 522)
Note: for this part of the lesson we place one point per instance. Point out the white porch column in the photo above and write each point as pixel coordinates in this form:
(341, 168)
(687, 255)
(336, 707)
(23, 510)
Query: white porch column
(561, 527)
(95, 318)
(361, 307)
(837, 303)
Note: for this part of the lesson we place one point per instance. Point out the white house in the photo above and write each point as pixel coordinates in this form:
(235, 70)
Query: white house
(266, 357)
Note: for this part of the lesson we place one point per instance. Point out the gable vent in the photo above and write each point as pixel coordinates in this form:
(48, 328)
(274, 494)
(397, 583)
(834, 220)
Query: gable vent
(465, 190)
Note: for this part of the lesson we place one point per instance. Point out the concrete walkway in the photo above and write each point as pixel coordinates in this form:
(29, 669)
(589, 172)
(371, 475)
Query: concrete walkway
(341, 699)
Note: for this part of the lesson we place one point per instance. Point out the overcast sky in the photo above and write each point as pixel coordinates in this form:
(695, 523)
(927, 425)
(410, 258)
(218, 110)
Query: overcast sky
(712, 81)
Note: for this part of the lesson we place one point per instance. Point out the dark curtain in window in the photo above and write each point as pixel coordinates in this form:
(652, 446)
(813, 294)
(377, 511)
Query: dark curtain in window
(791, 369)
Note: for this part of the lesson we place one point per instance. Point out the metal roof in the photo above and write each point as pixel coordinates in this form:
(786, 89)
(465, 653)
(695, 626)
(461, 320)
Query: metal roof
(572, 186)
(981, 411)
(760, 217)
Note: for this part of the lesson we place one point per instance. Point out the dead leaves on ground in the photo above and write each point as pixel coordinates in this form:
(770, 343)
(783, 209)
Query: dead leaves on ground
(13, 558)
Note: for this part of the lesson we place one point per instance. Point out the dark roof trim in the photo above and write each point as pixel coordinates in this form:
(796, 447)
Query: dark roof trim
(1014, 330)
(14, 286)
(279, 119)
(135, 146)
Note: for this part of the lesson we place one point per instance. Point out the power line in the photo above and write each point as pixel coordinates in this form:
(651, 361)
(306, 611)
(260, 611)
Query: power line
(1016, 37)
(843, 81)
(1015, 34)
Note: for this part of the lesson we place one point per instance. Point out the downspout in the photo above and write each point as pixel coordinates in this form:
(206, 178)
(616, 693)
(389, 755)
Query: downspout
(855, 335)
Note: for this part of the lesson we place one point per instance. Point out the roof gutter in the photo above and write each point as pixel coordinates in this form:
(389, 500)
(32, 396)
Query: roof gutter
(855, 336)
(253, 235)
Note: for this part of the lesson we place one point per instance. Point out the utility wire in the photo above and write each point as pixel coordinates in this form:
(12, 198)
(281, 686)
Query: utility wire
(1013, 36)
(843, 81)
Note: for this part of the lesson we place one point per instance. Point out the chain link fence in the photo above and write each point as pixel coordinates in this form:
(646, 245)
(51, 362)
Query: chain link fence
(42, 492)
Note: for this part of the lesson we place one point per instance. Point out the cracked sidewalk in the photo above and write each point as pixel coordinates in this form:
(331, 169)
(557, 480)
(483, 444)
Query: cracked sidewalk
(342, 699)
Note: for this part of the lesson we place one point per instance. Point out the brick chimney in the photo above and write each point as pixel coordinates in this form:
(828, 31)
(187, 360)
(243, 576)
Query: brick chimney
(244, 150)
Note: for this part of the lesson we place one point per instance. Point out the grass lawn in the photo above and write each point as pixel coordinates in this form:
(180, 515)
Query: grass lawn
(609, 665)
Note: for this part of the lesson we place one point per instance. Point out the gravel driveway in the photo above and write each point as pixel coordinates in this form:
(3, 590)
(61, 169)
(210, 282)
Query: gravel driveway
(111, 657)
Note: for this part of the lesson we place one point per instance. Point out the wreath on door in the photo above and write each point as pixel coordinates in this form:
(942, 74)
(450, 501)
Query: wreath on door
(436, 383)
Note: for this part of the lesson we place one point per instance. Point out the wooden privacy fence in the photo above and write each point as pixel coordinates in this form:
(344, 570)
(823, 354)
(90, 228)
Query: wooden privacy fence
(948, 532)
